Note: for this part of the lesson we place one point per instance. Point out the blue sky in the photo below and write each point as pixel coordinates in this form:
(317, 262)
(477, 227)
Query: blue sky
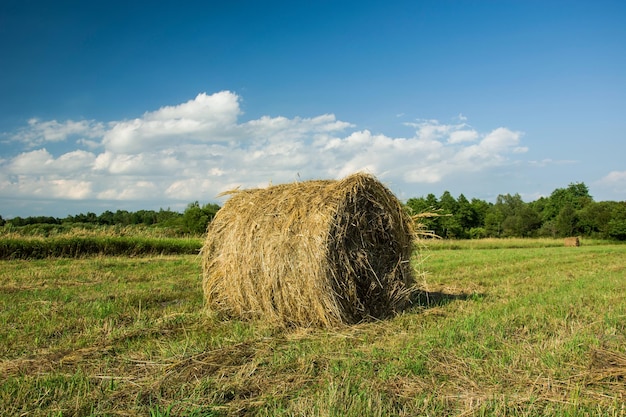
(108, 105)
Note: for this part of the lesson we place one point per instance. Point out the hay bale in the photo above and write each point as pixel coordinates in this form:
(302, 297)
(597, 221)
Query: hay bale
(572, 241)
(314, 253)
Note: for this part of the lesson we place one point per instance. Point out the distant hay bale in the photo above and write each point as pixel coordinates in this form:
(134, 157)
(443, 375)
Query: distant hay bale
(314, 253)
(572, 241)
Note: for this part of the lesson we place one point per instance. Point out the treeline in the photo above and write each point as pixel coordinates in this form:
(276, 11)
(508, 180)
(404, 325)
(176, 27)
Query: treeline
(567, 211)
(193, 221)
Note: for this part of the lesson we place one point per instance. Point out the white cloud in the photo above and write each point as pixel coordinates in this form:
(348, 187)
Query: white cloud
(147, 163)
(491, 149)
(500, 139)
(189, 188)
(37, 187)
(615, 177)
(91, 144)
(205, 119)
(39, 132)
(131, 189)
(40, 162)
(197, 149)
(70, 189)
(614, 183)
(549, 161)
(431, 129)
(463, 136)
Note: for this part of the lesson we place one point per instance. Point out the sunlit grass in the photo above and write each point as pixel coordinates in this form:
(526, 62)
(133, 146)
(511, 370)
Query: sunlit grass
(74, 230)
(531, 331)
(507, 243)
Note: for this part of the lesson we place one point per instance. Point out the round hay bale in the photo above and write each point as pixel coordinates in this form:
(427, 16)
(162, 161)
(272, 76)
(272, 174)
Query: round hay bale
(314, 253)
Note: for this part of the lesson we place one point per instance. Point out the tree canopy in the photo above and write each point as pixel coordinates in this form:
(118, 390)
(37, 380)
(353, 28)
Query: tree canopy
(569, 211)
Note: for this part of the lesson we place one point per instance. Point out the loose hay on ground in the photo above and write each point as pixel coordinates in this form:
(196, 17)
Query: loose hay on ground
(314, 253)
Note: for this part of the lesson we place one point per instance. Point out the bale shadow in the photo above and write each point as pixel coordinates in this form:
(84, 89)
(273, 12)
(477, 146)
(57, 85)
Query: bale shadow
(431, 299)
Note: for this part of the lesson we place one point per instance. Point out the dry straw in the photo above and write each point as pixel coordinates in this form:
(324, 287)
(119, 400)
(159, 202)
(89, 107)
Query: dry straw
(314, 253)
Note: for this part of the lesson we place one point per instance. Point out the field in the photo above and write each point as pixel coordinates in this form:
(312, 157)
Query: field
(512, 327)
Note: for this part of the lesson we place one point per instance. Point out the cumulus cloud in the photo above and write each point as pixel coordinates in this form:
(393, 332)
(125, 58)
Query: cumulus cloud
(47, 188)
(197, 149)
(614, 181)
(463, 136)
(205, 119)
(40, 162)
(615, 177)
(38, 132)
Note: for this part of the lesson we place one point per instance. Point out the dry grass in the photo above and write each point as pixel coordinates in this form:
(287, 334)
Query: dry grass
(572, 241)
(315, 253)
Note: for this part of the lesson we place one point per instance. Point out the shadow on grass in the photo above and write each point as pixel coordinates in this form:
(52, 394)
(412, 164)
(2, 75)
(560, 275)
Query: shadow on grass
(431, 299)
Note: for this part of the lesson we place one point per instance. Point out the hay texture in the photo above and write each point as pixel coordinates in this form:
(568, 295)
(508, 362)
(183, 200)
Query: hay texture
(316, 253)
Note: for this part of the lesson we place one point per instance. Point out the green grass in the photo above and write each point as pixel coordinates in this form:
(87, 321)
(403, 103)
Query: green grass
(507, 243)
(80, 246)
(76, 241)
(514, 329)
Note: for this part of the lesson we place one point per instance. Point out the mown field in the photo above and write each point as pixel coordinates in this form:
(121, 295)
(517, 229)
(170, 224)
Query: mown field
(516, 327)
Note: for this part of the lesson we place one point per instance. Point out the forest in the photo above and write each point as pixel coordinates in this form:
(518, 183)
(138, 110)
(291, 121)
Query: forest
(569, 211)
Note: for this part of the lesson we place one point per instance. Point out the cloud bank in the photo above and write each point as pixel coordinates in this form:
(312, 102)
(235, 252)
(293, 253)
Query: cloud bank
(197, 149)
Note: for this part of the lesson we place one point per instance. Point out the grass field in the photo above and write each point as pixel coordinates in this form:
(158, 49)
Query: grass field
(506, 328)
(79, 242)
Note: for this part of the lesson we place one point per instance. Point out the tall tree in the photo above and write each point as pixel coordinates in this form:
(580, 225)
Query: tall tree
(449, 224)
(566, 221)
(617, 224)
(467, 216)
(430, 204)
(196, 218)
(576, 195)
(511, 217)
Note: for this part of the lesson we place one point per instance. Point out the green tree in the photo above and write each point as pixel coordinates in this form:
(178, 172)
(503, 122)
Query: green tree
(495, 217)
(122, 218)
(459, 218)
(146, 217)
(575, 195)
(566, 221)
(530, 221)
(616, 227)
(593, 219)
(425, 205)
(195, 219)
(418, 205)
(481, 208)
(449, 223)
(511, 217)
(84, 218)
(107, 217)
(167, 217)
(466, 216)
